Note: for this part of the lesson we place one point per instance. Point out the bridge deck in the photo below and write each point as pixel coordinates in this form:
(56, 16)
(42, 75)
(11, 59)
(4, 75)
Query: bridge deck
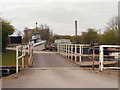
(51, 60)
(52, 71)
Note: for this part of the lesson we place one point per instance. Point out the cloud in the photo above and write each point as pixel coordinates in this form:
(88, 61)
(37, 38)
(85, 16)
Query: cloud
(60, 16)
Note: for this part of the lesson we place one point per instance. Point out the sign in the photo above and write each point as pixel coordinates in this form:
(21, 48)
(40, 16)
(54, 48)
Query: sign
(15, 39)
(62, 41)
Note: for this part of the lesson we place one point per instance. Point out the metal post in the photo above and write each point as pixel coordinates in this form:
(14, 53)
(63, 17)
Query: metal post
(32, 51)
(22, 58)
(80, 53)
(75, 52)
(93, 57)
(29, 54)
(82, 50)
(66, 50)
(71, 52)
(16, 59)
(62, 48)
(58, 48)
(24, 54)
(101, 59)
(28, 49)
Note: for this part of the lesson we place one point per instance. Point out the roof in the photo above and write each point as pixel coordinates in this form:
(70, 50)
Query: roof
(14, 36)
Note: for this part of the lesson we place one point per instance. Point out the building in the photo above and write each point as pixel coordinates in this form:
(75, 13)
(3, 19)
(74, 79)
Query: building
(15, 39)
(58, 41)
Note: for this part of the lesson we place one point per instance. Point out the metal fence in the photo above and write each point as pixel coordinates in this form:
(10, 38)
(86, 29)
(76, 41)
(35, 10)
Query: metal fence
(111, 49)
(88, 56)
(70, 51)
(22, 49)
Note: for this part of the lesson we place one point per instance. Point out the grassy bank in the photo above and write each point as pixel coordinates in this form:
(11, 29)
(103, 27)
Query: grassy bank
(9, 58)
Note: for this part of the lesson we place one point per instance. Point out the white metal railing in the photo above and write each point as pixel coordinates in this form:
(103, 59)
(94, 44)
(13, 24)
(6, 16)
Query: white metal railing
(68, 50)
(101, 57)
(22, 49)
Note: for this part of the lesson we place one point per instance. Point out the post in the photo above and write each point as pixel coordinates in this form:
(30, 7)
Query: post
(58, 48)
(22, 58)
(66, 50)
(32, 50)
(101, 59)
(28, 48)
(80, 53)
(16, 59)
(82, 50)
(24, 54)
(75, 52)
(93, 57)
(62, 48)
(71, 52)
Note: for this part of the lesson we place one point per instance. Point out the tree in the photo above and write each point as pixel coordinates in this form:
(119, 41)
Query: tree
(19, 33)
(7, 29)
(109, 37)
(89, 36)
(113, 24)
(45, 32)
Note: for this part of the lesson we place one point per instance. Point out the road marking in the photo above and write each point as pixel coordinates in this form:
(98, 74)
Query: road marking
(55, 68)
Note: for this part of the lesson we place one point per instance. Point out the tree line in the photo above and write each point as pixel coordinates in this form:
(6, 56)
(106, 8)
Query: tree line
(111, 34)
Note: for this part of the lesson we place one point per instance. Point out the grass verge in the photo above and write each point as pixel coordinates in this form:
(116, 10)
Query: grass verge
(9, 58)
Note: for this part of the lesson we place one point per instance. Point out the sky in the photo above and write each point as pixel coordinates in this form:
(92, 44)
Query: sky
(59, 14)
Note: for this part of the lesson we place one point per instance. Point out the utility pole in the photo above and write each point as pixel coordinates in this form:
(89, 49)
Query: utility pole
(76, 30)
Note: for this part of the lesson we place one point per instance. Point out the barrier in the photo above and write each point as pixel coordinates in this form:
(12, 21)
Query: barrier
(22, 49)
(96, 60)
(101, 57)
(68, 50)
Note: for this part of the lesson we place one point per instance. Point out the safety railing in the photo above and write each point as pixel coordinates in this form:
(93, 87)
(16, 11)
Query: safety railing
(22, 49)
(95, 56)
(102, 59)
(70, 50)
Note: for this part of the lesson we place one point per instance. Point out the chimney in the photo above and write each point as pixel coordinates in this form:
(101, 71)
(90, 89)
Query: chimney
(76, 30)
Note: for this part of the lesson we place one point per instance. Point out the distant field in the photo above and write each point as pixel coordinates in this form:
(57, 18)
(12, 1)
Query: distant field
(9, 58)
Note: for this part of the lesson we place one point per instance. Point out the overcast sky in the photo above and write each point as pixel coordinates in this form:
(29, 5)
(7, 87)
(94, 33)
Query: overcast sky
(58, 14)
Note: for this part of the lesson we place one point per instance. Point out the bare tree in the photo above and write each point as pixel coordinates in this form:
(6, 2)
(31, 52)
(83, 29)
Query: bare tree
(19, 33)
(113, 24)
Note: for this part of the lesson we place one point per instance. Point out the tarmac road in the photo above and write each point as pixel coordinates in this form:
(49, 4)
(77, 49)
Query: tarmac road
(53, 71)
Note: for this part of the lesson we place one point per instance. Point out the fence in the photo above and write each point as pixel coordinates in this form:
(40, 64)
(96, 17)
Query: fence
(86, 55)
(70, 50)
(23, 49)
(102, 59)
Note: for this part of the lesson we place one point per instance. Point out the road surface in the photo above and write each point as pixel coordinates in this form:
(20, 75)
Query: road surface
(52, 71)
